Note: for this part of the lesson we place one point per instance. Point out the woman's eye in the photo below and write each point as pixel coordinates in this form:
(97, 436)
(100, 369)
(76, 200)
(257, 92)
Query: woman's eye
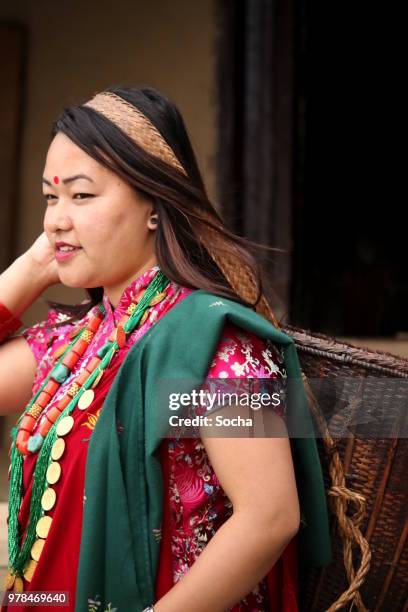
(77, 196)
(83, 195)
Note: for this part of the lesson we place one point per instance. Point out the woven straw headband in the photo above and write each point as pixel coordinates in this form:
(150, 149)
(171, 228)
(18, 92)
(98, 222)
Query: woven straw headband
(136, 125)
(140, 129)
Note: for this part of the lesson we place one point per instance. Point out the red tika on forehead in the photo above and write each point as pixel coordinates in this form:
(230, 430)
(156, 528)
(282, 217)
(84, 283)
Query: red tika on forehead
(56, 180)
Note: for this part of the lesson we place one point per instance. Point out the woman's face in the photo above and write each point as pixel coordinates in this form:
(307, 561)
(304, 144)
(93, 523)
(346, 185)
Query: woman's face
(99, 213)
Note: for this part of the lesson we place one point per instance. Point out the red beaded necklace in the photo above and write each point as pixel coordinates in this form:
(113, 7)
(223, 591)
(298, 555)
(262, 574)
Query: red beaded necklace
(26, 442)
(58, 422)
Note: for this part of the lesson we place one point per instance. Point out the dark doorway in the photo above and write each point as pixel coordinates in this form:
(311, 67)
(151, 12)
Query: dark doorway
(297, 169)
(348, 272)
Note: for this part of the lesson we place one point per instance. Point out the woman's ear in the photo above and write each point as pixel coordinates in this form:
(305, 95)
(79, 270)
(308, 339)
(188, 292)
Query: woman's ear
(153, 221)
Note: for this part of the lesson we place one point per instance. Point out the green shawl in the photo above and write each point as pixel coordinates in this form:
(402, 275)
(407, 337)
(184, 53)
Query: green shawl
(119, 552)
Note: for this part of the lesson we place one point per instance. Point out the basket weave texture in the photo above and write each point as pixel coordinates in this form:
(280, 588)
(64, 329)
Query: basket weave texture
(373, 550)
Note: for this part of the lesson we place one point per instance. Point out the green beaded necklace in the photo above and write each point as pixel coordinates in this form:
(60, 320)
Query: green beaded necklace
(18, 557)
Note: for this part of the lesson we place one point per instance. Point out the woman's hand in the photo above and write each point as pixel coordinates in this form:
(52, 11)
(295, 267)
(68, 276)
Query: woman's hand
(29, 276)
(42, 256)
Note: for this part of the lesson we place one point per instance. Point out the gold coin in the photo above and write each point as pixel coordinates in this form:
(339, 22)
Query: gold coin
(53, 472)
(18, 586)
(9, 581)
(43, 526)
(30, 569)
(157, 298)
(36, 549)
(58, 449)
(48, 499)
(97, 379)
(86, 399)
(65, 425)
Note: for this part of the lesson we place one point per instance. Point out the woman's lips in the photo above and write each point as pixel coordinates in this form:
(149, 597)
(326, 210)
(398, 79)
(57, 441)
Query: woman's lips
(64, 255)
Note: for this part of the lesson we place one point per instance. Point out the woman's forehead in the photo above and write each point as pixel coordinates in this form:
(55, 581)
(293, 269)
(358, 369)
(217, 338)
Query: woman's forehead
(65, 159)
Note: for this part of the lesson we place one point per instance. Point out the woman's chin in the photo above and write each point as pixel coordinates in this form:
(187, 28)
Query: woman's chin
(78, 281)
(75, 282)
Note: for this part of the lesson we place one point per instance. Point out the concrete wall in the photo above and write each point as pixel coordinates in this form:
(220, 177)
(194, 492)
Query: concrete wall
(77, 48)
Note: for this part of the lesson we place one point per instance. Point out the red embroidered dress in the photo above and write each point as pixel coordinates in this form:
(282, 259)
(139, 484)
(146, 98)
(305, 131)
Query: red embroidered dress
(196, 504)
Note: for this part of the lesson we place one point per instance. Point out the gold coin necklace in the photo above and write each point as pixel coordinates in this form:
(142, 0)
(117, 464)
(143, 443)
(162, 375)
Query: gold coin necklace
(23, 560)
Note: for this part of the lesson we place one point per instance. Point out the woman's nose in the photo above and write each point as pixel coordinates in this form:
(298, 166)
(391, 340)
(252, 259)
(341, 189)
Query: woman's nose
(57, 217)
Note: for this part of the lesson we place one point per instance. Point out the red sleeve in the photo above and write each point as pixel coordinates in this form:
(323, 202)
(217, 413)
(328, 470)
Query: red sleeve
(40, 336)
(242, 354)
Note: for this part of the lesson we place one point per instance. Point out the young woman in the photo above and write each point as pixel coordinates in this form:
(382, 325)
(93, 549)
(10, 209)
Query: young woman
(103, 505)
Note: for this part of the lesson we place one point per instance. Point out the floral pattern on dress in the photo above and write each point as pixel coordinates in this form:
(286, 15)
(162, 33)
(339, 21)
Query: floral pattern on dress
(95, 604)
(44, 340)
(198, 503)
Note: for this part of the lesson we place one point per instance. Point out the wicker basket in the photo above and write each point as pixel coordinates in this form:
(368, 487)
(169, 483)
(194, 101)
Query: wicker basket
(364, 478)
(366, 482)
